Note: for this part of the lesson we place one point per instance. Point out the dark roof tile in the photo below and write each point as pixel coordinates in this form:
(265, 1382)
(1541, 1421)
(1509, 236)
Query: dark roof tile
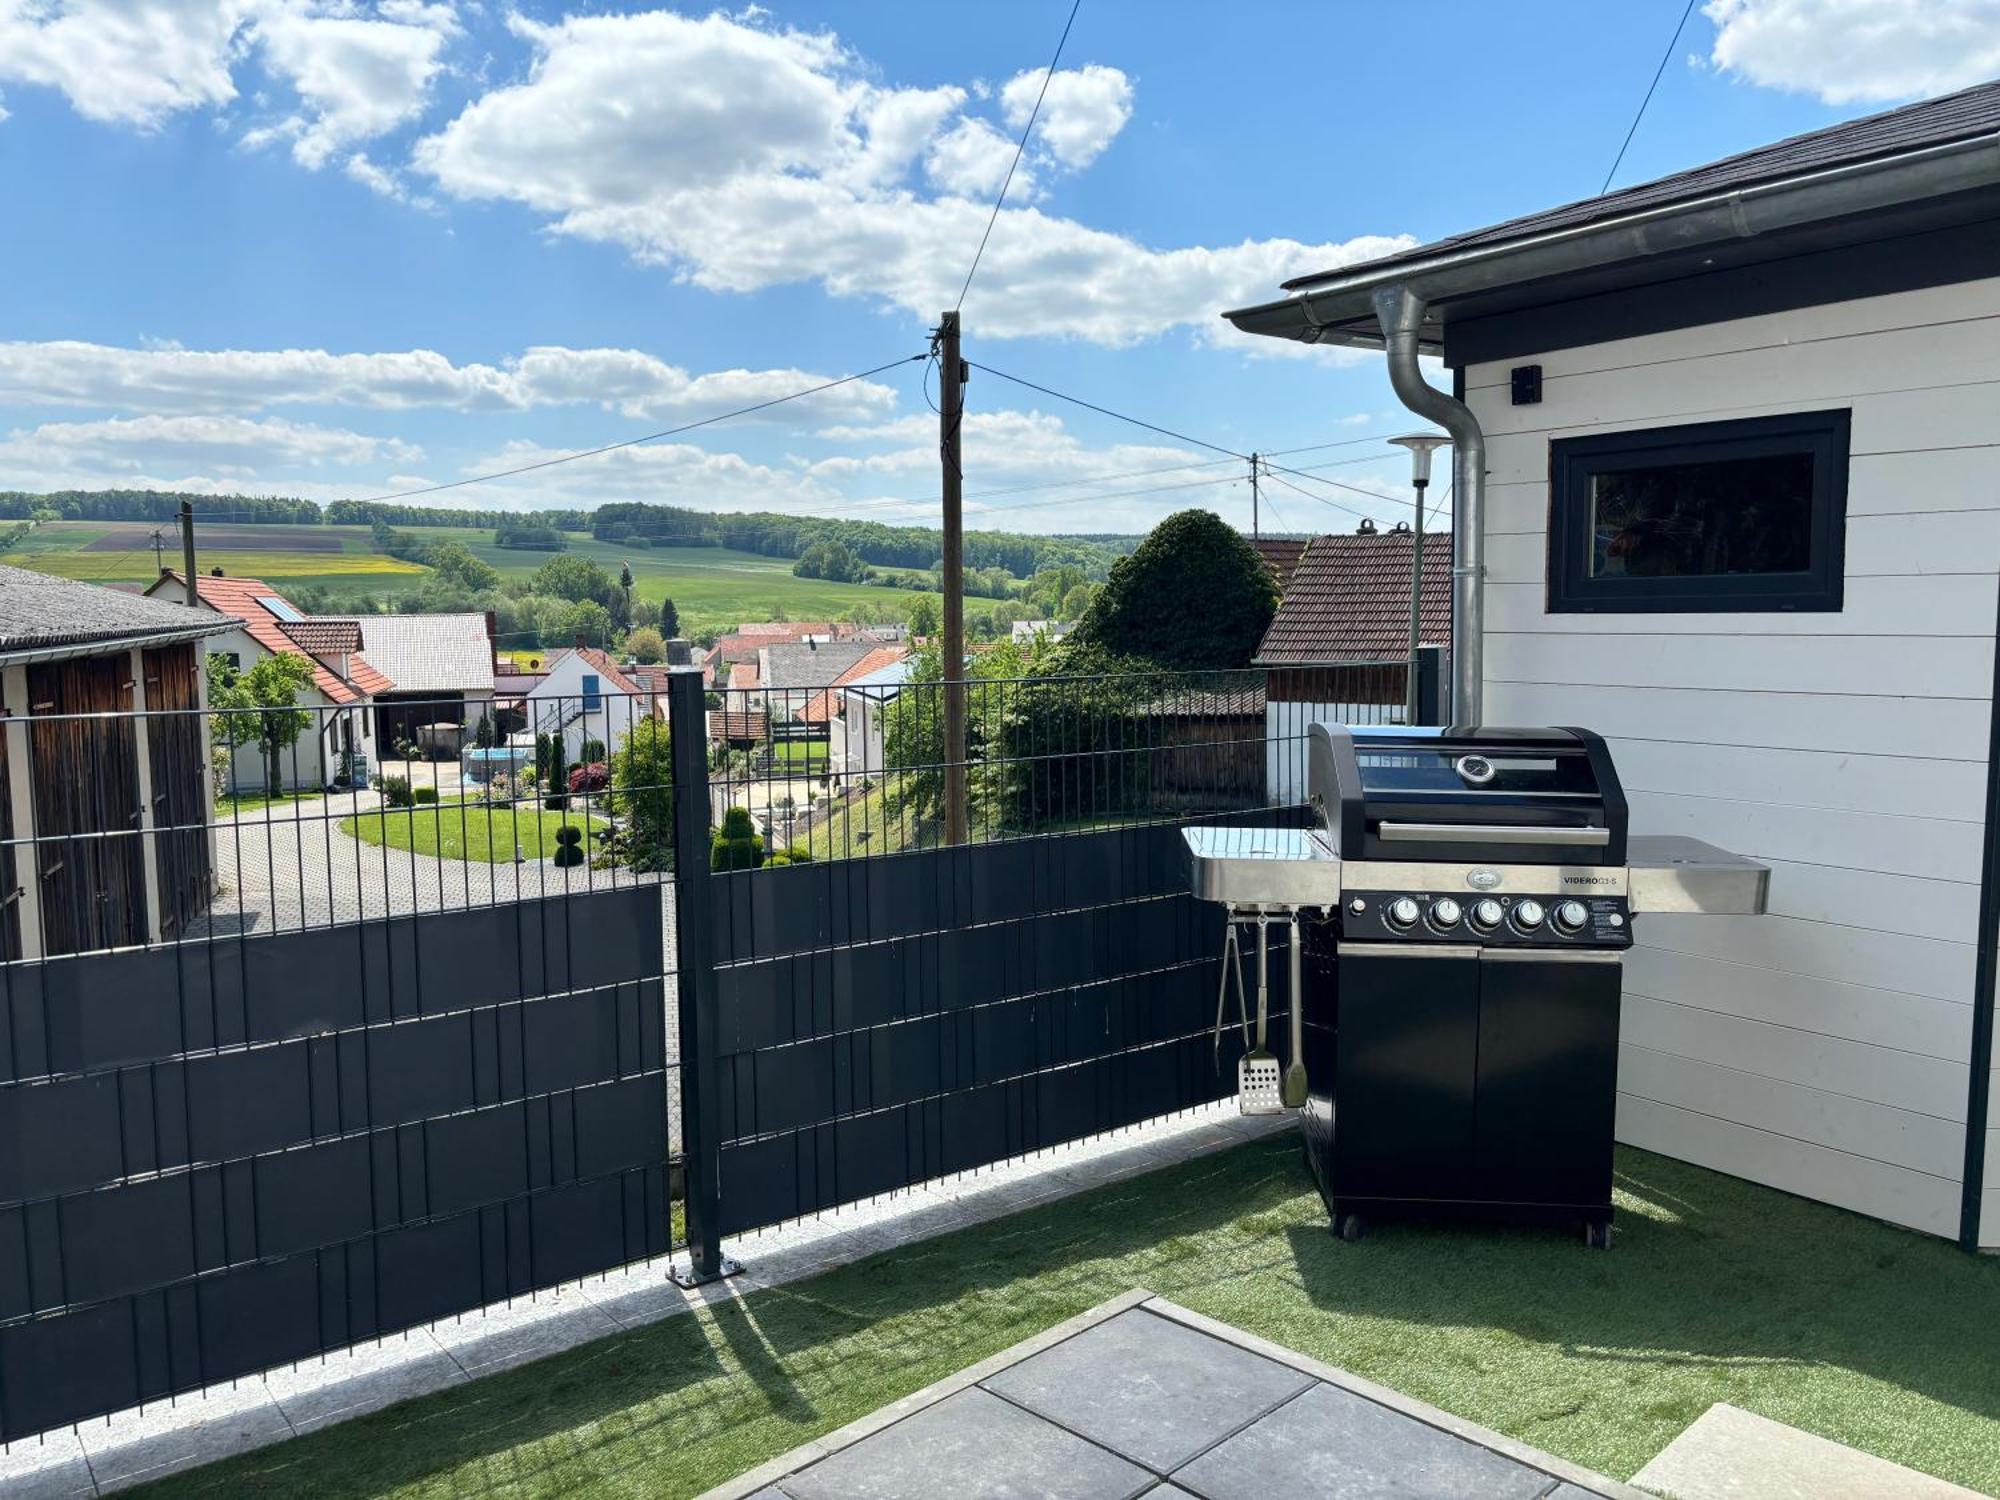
(1349, 600)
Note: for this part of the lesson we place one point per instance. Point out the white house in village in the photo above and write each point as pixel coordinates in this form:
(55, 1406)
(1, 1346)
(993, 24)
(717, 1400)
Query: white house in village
(343, 683)
(1725, 494)
(585, 696)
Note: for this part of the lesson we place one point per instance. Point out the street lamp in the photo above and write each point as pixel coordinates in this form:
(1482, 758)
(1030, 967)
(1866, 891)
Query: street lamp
(1421, 446)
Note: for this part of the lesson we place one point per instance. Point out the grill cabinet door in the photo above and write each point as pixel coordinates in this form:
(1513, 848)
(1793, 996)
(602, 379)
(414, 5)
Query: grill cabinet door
(1407, 1055)
(1548, 1076)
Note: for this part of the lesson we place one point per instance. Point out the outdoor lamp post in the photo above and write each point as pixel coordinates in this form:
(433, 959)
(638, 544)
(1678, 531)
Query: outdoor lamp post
(1421, 446)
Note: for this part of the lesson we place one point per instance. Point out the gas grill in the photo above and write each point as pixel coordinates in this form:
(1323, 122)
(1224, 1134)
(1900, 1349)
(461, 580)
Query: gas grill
(1461, 902)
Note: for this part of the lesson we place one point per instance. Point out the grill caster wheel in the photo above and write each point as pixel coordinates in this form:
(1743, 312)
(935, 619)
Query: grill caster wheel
(1597, 1236)
(1349, 1227)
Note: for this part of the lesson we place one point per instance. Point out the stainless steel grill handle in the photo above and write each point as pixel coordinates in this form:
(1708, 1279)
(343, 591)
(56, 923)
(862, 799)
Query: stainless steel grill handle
(1493, 833)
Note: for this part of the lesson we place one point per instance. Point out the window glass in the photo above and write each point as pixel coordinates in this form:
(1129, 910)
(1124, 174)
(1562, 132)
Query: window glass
(1706, 516)
(1738, 515)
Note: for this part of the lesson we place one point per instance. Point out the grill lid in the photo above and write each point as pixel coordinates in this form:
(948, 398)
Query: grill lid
(1517, 796)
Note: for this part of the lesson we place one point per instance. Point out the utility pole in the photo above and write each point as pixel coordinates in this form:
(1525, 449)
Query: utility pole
(951, 413)
(1253, 497)
(159, 549)
(187, 552)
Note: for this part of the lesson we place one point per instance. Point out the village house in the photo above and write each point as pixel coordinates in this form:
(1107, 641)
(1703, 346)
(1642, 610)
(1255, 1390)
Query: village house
(1723, 492)
(585, 696)
(343, 680)
(441, 667)
(104, 821)
(1338, 649)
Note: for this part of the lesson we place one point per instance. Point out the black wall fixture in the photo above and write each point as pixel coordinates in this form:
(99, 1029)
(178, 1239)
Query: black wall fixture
(1525, 382)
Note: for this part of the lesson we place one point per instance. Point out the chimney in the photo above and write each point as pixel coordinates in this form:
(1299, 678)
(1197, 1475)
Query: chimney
(492, 641)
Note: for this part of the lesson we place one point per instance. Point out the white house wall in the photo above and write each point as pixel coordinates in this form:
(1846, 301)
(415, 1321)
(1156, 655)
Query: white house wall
(1823, 1048)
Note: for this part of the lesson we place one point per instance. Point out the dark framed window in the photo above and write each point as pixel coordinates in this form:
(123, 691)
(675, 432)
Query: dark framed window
(1715, 516)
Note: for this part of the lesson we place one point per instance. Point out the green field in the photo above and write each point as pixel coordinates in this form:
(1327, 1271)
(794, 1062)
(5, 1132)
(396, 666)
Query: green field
(712, 588)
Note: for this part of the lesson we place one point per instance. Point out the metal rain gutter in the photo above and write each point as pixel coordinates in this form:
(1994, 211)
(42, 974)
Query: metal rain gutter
(1401, 314)
(1788, 202)
(30, 655)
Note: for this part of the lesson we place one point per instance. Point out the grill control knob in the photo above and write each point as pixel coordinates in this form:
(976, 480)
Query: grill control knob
(1528, 915)
(1572, 916)
(1444, 912)
(1402, 912)
(1487, 914)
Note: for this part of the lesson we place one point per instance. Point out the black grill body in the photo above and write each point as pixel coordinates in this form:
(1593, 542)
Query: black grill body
(1456, 1068)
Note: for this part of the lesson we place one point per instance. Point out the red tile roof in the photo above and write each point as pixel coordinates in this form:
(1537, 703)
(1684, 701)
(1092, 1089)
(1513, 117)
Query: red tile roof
(324, 637)
(606, 667)
(1281, 555)
(823, 705)
(1349, 600)
(243, 598)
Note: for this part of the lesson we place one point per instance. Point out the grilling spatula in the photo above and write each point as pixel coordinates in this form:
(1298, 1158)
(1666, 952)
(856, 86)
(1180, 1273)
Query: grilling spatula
(1295, 1070)
(1257, 1082)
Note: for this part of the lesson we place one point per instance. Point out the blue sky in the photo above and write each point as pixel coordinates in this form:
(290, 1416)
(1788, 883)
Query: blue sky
(343, 247)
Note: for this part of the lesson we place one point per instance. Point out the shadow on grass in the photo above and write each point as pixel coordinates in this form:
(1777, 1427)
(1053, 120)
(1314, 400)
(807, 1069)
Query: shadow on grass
(1717, 1290)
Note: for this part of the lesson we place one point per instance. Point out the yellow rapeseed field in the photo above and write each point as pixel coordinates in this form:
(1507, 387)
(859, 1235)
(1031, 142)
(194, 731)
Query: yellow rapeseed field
(119, 567)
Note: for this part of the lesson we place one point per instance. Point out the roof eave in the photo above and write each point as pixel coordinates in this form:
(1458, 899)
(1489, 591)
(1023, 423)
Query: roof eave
(1339, 308)
(31, 655)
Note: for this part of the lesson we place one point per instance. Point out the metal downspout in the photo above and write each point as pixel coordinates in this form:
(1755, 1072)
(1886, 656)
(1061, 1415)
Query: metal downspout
(1400, 311)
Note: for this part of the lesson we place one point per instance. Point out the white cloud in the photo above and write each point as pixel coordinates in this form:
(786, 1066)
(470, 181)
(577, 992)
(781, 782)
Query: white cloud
(1082, 112)
(230, 445)
(662, 473)
(730, 152)
(971, 160)
(357, 73)
(130, 61)
(356, 77)
(635, 384)
(1858, 51)
(1006, 446)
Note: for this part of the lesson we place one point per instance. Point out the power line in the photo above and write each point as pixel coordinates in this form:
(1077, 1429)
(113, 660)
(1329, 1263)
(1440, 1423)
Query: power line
(1659, 72)
(651, 437)
(1021, 146)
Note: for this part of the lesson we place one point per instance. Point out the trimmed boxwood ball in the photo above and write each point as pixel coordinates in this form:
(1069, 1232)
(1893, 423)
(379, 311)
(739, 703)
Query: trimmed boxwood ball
(569, 846)
(736, 845)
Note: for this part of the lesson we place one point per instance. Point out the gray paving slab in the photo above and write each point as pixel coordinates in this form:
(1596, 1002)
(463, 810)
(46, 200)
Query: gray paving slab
(137, 1447)
(975, 1446)
(1330, 1444)
(1152, 1390)
(46, 1468)
(1728, 1453)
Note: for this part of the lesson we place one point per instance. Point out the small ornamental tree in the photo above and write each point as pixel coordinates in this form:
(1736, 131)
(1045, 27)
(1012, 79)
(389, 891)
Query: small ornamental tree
(260, 707)
(1193, 595)
(642, 787)
(646, 646)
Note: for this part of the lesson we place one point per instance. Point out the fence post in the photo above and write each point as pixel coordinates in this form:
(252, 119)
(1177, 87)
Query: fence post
(694, 948)
(1430, 685)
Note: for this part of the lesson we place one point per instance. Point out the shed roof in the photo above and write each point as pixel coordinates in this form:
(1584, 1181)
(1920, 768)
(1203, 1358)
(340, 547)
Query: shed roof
(40, 613)
(824, 706)
(1350, 601)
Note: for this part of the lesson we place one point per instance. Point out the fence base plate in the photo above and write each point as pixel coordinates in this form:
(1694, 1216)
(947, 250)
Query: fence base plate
(690, 1278)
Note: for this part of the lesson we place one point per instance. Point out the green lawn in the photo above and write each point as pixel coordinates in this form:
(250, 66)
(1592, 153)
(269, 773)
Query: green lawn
(470, 829)
(1717, 1291)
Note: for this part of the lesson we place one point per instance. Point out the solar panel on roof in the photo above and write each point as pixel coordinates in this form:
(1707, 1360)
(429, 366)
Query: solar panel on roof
(279, 607)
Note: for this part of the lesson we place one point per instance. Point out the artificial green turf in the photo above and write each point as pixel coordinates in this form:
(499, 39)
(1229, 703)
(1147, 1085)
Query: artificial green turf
(1717, 1291)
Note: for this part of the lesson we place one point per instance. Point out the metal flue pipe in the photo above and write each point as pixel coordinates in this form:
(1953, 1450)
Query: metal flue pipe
(1400, 311)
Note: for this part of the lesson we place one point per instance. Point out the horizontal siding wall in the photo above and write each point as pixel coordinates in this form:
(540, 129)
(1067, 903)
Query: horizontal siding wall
(1823, 1049)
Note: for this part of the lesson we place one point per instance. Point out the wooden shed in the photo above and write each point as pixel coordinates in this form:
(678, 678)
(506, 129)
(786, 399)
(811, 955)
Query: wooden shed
(105, 821)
